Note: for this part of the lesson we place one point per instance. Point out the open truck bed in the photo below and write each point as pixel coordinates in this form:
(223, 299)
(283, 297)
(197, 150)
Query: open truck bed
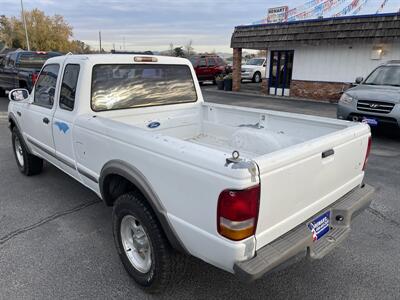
(305, 163)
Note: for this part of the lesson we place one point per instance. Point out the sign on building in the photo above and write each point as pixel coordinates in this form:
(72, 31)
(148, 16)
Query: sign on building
(277, 14)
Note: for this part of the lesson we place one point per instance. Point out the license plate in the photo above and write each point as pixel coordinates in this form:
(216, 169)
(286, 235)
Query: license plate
(320, 226)
(371, 122)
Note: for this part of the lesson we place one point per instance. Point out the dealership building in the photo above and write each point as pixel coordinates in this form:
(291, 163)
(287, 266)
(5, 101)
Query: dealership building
(320, 58)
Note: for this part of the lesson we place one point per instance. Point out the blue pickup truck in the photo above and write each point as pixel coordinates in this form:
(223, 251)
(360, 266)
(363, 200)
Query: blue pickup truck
(20, 69)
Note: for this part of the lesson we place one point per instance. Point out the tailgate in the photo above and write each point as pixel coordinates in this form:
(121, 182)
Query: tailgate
(299, 182)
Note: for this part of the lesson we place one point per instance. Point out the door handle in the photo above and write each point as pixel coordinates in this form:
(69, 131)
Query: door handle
(46, 121)
(328, 153)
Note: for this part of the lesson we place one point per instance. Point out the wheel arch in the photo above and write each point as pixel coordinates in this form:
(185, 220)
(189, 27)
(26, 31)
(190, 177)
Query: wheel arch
(134, 180)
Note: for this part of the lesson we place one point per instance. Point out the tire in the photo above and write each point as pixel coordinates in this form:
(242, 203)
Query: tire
(27, 163)
(257, 77)
(149, 242)
(2, 92)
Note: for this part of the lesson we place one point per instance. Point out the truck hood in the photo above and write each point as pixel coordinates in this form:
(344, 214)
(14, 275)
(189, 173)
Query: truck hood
(250, 67)
(375, 93)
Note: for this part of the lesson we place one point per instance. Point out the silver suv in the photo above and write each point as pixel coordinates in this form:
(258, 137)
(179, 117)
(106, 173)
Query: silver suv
(375, 100)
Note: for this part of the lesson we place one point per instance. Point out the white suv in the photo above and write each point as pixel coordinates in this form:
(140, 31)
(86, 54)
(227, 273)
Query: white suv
(254, 69)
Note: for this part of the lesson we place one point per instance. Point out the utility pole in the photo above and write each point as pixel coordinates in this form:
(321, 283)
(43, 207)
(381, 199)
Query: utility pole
(100, 40)
(26, 31)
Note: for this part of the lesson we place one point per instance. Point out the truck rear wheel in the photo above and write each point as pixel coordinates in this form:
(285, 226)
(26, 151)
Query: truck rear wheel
(27, 163)
(142, 245)
(257, 77)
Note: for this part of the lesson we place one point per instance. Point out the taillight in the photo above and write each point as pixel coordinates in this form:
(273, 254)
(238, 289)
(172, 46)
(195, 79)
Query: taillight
(368, 152)
(34, 77)
(238, 213)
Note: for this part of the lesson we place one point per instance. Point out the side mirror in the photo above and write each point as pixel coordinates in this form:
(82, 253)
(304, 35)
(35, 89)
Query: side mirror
(359, 80)
(18, 95)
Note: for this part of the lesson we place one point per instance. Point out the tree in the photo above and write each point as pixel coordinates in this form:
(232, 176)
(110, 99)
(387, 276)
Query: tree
(171, 49)
(178, 52)
(45, 33)
(7, 34)
(189, 48)
(80, 47)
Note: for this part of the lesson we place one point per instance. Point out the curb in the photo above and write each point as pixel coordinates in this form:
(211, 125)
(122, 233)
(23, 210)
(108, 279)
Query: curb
(268, 96)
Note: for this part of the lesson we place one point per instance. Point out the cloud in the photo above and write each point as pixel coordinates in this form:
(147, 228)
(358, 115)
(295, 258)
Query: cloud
(155, 24)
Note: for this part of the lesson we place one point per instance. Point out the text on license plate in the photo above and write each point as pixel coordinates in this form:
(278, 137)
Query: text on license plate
(320, 226)
(370, 122)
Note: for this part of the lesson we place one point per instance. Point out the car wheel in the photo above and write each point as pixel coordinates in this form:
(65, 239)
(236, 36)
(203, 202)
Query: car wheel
(257, 77)
(27, 163)
(2, 92)
(142, 245)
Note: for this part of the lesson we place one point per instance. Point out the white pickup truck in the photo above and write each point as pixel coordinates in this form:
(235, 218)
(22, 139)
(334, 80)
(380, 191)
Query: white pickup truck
(243, 189)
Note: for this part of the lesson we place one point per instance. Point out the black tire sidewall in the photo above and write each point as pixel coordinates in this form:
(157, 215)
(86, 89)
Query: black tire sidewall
(16, 134)
(120, 211)
(257, 74)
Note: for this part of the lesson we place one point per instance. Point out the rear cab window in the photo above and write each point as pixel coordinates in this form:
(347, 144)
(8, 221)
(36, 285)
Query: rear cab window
(123, 86)
(34, 59)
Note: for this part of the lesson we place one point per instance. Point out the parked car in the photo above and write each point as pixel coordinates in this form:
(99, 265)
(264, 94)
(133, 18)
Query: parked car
(208, 67)
(19, 69)
(243, 189)
(375, 100)
(254, 69)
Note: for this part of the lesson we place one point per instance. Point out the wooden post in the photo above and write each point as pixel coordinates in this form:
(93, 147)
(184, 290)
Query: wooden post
(237, 69)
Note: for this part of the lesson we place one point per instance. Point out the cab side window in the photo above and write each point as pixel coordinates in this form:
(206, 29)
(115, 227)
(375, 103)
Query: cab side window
(68, 87)
(202, 62)
(211, 62)
(45, 87)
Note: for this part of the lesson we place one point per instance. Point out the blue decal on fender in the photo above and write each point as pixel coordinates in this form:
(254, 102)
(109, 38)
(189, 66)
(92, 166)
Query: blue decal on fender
(63, 127)
(153, 125)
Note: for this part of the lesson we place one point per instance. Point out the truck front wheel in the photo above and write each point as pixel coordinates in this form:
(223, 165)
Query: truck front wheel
(142, 245)
(27, 163)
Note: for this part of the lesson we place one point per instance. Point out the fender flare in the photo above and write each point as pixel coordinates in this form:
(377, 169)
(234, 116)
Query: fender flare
(11, 117)
(132, 174)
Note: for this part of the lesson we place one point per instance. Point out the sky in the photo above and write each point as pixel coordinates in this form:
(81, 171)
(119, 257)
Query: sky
(154, 25)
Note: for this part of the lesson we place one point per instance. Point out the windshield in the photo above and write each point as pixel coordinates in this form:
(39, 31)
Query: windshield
(34, 59)
(129, 86)
(385, 75)
(255, 62)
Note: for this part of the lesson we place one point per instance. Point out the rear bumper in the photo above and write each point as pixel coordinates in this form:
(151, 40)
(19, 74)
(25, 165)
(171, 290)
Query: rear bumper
(299, 243)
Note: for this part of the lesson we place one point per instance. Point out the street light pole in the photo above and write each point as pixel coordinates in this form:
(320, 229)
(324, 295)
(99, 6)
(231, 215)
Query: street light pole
(100, 41)
(26, 31)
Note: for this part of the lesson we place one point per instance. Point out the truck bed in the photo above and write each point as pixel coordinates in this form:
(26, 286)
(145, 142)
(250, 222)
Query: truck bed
(252, 132)
(296, 180)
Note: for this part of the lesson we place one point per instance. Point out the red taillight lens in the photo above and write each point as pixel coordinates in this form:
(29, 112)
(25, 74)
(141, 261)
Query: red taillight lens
(238, 213)
(368, 152)
(34, 77)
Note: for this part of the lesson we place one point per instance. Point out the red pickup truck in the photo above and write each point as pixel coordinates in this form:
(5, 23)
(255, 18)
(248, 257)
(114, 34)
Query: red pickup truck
(208, 67)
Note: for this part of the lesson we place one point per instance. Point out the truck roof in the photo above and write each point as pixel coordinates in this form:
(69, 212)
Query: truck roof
(120, 59)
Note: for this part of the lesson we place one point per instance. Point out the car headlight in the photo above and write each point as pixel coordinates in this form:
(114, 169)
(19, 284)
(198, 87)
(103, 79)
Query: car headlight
(346, 99)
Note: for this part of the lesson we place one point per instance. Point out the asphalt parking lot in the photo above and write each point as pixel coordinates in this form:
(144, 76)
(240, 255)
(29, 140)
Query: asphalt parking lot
(56, 240)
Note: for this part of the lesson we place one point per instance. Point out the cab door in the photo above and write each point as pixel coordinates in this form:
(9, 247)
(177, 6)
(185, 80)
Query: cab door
(37, 118)
(64, 117)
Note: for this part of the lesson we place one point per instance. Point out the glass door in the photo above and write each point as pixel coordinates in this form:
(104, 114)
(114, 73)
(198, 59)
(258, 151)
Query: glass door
(280, 73)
